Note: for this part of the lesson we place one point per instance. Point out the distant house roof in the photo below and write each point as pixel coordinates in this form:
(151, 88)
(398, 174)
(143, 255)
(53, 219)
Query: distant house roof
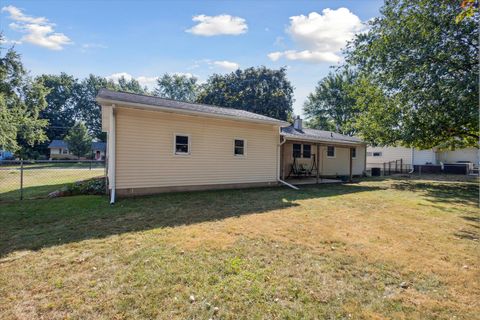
(101, 146)
(319, 135)
(58, 144)
(108, 96)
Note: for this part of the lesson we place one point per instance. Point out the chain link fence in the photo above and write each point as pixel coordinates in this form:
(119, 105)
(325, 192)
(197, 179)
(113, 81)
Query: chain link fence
(25, 179)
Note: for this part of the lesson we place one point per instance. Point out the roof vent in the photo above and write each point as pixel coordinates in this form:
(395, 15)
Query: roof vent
(297, 123)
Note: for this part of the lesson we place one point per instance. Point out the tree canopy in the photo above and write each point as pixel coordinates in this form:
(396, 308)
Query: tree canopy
(260, 90)
(21, 101)
(417, 76)
(177, 86)
(331, 106)
(78, 139)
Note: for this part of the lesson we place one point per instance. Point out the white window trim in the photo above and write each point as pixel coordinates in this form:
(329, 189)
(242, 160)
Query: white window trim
(182, 154)
(355, 148)
(244, 148)
(334, 152)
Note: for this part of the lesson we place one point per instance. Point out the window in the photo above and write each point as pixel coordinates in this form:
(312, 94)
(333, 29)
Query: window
(330, 151)
(182, 144)
(239, 147)
(377, 154)
(354, 153)
(65, 151)
(307, 151)
(297, 150)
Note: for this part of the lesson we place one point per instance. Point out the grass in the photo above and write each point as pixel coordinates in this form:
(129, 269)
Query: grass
(39, 182)
(380, 249)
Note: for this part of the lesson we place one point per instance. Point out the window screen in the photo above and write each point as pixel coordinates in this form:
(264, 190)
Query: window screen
(297, 150)
(239, 147)
(181, 145)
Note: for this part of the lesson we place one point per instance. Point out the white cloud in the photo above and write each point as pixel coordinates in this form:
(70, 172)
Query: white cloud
(144, 81)
(38, 30)
(225, 65)
(320, 37)
(223, 24)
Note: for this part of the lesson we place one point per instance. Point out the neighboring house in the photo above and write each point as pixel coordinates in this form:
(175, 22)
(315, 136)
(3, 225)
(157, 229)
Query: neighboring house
(59, 150)
(6, 155)
(376, 156)
(159, 145)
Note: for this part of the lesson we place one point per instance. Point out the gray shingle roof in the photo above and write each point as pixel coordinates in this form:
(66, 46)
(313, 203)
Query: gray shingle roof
(106, 94)
(102, 146)
(319, 135)
(58, 144)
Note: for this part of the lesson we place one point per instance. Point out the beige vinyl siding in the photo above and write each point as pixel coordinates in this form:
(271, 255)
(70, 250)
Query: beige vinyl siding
(340, 165)
(145, 150)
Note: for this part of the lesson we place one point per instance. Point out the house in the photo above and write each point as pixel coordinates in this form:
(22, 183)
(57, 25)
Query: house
(160, 145)
(6, 155)
(410, 157)
(59, 150)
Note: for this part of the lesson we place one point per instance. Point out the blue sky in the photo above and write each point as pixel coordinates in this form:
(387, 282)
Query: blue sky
(144, 39)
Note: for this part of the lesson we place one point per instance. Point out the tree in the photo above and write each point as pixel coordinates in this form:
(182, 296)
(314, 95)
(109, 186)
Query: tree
(87, 107)
(132, 85)
(177, 87)
(331, 106)
(260, 90)
(422, 65)
(21, 101)
(469, 8)
(79, 141)
(61, 111)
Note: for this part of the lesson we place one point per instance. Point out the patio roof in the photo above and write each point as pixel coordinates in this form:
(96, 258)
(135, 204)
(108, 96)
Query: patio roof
(321, 136)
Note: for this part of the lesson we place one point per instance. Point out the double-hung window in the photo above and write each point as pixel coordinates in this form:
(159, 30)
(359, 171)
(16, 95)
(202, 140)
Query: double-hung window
(297, 150)
(330, 152)
(354, 153)
(239, 147)
(307, 151)
(182, 144)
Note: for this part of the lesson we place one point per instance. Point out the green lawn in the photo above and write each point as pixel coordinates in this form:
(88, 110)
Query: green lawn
(40, 181)
(379, 249)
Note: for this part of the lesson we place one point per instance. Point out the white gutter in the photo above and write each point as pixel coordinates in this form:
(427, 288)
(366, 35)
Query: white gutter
(326, 141)
(278, 166)
(141, 106)
(111, 155)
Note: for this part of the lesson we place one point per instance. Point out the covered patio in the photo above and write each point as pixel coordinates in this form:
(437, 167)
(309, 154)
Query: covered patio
(309, 156)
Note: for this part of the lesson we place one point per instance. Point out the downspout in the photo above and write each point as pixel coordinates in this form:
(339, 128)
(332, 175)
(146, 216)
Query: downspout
(413, 167)
(112, 152)
(278, 166)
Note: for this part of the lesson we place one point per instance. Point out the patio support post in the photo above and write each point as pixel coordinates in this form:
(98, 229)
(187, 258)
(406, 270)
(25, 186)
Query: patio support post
(318, 162)
(351, 163)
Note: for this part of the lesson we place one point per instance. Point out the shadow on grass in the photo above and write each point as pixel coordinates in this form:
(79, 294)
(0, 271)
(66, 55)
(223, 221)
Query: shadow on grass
(36, 224)
(30, 192)
(451, 192)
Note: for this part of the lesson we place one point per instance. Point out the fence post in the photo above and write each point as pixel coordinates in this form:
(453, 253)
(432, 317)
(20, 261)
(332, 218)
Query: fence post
(91, 164)
(396, 167)
(21, 179)
(389, 168)
(401, 165)
(384, 173)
